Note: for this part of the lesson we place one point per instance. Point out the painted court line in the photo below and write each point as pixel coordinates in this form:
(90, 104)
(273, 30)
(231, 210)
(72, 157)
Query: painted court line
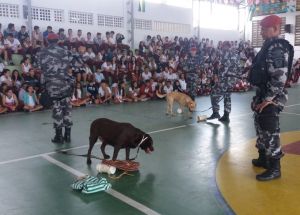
(292, 105)
(85, 146)
(79, 147)
(289, 113)
(111, 191)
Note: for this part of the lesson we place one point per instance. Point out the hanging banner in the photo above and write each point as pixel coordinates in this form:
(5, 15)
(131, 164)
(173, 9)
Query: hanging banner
(266, 7)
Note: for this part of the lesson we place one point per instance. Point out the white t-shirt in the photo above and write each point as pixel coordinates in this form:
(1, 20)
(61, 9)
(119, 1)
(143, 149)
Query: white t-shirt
(163, 58)
(26, 68)
(101, 91)
(168, 89)
(173, 76)
(167, 75)
(89, 55)
(134, 92)
(106, 67)
(31, 102)
(80, 38)
(13, 45)
(146, 76)
(154, 84)
(182, 84)
(4, 79)
(99, 77)
(79, 94)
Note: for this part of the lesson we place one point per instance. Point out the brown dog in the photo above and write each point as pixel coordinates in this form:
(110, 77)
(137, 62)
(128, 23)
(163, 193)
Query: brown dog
(182, 99)
(119, 135)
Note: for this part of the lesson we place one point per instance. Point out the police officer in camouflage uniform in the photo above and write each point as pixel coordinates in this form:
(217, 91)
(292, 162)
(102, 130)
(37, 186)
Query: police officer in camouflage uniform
(269, 73)
(224, 76)
(54, 62)
(191, 74)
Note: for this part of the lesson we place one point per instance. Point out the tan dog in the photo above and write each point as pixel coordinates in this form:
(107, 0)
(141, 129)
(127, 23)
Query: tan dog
(182, 99)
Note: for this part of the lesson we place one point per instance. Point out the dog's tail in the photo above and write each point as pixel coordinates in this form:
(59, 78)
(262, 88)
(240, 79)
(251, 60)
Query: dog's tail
(160, 95)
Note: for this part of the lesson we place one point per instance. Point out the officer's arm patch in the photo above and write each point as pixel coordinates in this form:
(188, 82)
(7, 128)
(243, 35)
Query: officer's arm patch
(278, 58)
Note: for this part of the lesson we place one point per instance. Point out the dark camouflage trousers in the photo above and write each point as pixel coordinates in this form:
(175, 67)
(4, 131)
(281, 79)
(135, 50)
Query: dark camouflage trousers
(215, 99)
(62, 113)
(268, 131)
(191, 85)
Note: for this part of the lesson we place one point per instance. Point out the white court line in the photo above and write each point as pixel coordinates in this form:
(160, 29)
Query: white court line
(289, 113)
(21, 159)
(39, 155)
(241, 115)
(84, 146)
(111, 191)
(292, 105)
(169, 129)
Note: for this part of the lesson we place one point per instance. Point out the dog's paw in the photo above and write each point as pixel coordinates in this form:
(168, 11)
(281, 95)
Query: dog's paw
(106, 156)
(89, 161)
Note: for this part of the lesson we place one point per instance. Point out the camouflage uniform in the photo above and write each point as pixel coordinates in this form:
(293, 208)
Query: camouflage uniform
(267, 122)
(54, 62)
(191, 75)
(226, 75)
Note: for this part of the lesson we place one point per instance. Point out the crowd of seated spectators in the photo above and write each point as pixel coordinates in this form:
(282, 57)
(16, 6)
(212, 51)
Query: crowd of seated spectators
(107, 70)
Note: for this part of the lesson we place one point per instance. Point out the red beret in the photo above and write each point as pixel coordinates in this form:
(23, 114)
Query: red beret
(52, 36)
(270, 21)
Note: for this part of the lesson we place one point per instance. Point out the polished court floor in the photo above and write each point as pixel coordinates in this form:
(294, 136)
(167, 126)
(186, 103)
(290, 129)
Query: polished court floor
(196, 168)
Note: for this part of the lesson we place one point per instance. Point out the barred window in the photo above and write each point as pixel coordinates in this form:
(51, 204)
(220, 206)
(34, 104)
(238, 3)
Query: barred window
(47, 14)
(58, 15)
(257, 40)
(118, 22)
(9, 10)
(101, 20)
(143, 24)
(111, 21)
(171, 27)
(80, 18)
(44, 15)
(298, 5)
(297, 31)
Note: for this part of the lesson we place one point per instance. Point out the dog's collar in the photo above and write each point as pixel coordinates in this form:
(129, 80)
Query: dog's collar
(143, 139)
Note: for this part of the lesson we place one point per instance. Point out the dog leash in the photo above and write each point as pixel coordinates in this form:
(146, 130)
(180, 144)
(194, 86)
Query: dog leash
(201, 111)
(95, 157)
(139, 146)
(78, 155)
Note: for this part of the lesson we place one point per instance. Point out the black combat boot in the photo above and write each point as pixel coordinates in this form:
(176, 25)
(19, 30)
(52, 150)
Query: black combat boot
(215, 115)
(58, 138)
(67, 136)
(262, 160)
(225, 117)
(272, 172)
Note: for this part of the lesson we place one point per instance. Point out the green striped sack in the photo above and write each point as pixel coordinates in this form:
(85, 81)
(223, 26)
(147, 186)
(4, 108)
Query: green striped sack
(91, 184)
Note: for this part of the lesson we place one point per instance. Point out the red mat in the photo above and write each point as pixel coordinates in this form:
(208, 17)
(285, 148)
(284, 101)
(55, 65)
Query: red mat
(292, 148)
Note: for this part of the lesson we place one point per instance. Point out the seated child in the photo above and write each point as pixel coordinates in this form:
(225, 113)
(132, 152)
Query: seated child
(9, 100)
(31, 102)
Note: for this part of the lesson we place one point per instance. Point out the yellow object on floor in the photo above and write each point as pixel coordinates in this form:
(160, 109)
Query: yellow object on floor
(245, 195)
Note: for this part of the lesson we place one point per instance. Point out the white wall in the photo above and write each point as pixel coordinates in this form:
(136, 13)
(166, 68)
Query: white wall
(155, 12)
(163, 13)
(218, 35)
